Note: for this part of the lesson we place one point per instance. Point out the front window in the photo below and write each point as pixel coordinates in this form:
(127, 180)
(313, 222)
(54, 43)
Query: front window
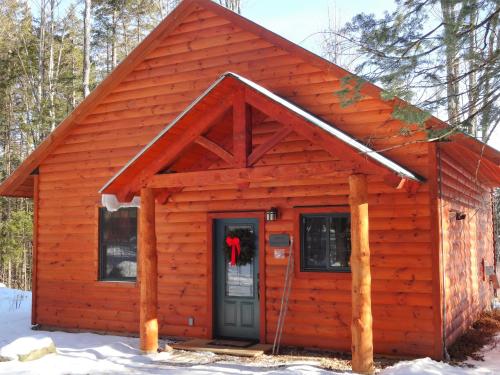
(325, 242)
(118, 244)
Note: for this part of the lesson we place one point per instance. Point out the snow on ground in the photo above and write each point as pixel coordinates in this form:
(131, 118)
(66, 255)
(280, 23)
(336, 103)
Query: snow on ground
(85, 353)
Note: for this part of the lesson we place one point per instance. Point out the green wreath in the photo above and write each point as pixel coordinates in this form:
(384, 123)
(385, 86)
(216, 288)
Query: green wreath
(247, 246)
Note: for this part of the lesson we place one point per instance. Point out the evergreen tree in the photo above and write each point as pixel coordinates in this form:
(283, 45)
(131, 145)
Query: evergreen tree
(442, 55)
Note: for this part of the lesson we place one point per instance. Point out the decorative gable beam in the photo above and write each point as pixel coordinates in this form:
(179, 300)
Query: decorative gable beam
(242, 129)
(161, 156)
(162, 195)
(215, 149)
(334, 146)
(244, 176)
(262, 149)
(400, 183)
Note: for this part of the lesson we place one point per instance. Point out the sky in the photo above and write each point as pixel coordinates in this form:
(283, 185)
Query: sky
(298, 20)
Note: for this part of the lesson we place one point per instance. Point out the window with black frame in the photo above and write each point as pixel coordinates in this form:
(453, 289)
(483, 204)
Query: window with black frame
(118, 244)
(325, 242)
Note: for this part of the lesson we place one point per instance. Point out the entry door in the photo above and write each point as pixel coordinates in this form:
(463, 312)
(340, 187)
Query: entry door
(236, 288)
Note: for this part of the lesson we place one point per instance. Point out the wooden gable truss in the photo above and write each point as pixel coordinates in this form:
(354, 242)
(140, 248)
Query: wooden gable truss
(241, 104)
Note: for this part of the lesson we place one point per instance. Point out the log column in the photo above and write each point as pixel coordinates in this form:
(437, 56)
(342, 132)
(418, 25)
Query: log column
(361, 325)
(148, 273)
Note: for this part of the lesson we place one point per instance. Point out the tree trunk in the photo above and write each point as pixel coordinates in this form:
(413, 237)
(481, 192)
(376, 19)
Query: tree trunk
(25, 269)
(114, 39)
(486, 81)
(41, 66)
(86, 48)
(125, 36)
(472, 66)
(73, 75)
(9, 274)
(452, 63)
(50, 73)
(234, 5)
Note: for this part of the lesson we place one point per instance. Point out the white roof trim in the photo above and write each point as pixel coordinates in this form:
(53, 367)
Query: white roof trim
(396, 168)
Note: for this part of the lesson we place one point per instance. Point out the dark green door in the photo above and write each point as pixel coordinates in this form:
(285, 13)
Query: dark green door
(236, 288)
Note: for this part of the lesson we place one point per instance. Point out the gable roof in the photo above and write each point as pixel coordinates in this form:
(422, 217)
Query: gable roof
(133, 167)
(19, 182)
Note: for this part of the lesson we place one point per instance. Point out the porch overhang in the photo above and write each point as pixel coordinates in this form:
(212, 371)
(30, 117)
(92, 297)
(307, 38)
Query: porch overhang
(150, 167)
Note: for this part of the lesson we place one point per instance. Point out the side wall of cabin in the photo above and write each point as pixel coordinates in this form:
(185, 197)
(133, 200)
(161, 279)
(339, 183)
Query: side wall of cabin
(467, 245)
(204, 46)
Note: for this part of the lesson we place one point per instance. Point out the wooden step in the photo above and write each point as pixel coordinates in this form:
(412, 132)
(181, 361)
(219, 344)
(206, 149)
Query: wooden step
(202, 345)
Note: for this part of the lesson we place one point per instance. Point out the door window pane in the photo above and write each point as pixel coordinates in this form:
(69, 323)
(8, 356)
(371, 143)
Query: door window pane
(239, 279)
(118, 244)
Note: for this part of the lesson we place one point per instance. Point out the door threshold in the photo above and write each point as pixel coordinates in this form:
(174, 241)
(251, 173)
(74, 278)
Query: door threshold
(233, 342)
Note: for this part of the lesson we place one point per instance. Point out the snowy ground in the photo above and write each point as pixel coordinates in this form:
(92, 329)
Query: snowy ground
(85, 353)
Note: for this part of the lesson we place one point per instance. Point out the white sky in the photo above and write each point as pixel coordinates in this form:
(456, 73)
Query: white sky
(296, 20)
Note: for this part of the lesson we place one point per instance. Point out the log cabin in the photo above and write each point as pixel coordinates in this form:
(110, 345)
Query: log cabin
(215, 129)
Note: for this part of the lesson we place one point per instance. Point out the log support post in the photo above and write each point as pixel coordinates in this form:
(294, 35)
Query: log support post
(148, 273)
(361, 325)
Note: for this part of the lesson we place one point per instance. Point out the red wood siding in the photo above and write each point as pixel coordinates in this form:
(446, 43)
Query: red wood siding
(466, 243)
(319, 309)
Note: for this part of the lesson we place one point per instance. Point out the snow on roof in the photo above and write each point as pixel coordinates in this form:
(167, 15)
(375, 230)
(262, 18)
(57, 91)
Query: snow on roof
(396, 168)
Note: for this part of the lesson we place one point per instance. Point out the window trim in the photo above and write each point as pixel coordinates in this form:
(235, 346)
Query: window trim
(100, 253)
(297, 248)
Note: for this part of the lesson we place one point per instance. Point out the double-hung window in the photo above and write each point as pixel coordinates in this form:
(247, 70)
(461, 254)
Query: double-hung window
(118, 244)
(325, 242)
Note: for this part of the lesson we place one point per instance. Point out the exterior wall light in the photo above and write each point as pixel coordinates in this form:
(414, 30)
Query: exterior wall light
(272, 214)
(458, 215)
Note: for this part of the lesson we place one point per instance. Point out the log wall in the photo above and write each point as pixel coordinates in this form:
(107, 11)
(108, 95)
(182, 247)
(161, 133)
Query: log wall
(319, 308)
(201, 48)
(467, 244)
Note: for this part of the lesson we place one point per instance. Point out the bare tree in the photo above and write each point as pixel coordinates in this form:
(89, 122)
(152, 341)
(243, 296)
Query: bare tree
(86, 47)
(234, 5)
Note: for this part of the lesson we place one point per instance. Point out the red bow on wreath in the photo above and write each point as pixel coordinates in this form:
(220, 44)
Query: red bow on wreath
(234, 244)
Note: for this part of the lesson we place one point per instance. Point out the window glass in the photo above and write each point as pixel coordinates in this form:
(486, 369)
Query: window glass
(325, 242)
(239, 279)
(118, 244)
(315, 232)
